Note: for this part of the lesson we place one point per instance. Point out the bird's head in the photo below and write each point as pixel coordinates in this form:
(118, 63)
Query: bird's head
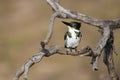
(75, 25)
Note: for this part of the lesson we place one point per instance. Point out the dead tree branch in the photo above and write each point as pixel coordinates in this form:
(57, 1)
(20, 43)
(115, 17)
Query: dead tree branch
(105, 44)
(54, 15)
(108, 57)
(44, 53)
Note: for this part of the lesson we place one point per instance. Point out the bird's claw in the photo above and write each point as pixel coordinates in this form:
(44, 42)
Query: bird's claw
(72, 53)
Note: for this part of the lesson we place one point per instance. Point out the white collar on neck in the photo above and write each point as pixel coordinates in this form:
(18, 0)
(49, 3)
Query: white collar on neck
(73, 29)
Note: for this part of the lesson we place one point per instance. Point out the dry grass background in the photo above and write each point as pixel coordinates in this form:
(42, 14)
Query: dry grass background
(24, 23)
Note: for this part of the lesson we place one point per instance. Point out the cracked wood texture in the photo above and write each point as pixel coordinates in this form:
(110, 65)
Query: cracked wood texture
(106, 43)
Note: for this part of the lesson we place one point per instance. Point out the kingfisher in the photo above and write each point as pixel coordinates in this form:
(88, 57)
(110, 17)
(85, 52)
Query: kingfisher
(72, 37)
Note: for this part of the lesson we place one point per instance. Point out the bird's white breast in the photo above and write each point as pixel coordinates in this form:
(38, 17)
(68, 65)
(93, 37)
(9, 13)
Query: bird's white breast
(74, 40)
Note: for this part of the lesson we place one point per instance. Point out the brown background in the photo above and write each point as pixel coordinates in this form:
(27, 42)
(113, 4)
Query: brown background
(24, 23)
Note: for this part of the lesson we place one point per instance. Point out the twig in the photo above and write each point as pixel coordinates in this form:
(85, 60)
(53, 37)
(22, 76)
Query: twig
(50, 27)
(44, 53)
(106, 26)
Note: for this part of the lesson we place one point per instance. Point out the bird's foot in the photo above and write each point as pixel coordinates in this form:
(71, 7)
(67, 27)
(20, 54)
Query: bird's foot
(68, 52)
(72, 53)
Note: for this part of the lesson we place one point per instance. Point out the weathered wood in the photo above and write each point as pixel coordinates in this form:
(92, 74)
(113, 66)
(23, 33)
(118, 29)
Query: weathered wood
(105, 43)
(44, 53)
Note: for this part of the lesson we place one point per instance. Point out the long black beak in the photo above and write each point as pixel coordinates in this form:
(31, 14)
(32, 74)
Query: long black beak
(66, 23)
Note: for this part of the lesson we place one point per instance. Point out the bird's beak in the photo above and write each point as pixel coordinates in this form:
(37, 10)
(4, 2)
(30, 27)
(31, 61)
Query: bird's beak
(66, 23)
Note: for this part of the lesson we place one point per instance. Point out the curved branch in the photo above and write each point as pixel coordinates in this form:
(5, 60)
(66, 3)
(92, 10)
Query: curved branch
(50, 29)
(44, 53)
(28, 63)
(108, 58)
(100, 46)
(58, 11)
(103, 41)
(105, 25)
(65, 13)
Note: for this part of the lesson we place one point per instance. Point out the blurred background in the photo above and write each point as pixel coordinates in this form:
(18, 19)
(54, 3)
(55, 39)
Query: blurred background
(24, 23)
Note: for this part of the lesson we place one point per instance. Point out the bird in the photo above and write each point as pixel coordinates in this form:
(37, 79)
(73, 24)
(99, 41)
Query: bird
(72, 37)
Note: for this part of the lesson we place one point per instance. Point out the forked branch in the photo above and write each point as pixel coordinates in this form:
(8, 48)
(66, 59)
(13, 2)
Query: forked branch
(105, 43)
(45, 53)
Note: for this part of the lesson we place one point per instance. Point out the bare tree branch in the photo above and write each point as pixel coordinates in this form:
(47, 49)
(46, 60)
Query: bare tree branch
(105, 25)
(50, 27)
(65, 13)
(44, 53)
(108, 57)
(105, 43)
(25, 67)
(101, 44)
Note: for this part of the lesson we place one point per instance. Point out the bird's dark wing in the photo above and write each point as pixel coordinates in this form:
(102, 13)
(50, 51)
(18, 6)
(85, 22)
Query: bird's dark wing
(65, 41)
(78, 34)
(65, 38)
(67, 34)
